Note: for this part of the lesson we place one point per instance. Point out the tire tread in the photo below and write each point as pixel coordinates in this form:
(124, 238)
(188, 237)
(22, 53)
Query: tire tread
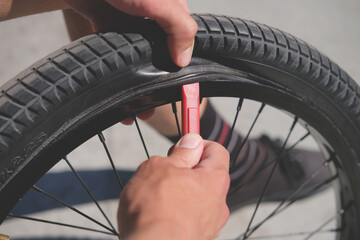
(281, 50)
(41, 88)
(31, 95)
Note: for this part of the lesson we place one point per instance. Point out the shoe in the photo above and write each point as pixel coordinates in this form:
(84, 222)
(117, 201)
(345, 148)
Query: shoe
(294, 168)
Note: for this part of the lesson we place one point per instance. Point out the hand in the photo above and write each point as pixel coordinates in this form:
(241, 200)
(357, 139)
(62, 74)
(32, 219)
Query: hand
(182, 196)
(172, 15)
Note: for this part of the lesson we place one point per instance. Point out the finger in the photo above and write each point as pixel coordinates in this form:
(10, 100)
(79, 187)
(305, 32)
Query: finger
(180, 36)
(224, 217)
(187, 151)
(143, 116)
(172, 17)
(146, 115)
(215, 156)
(127, 121)
(215, 160)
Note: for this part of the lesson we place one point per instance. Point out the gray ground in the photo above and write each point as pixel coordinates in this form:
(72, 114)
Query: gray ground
(332, 26)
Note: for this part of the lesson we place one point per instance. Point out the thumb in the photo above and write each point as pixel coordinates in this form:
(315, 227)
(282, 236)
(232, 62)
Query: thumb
(186, 153)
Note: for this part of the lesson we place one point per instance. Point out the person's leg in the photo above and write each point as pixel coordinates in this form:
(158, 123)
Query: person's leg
(253, 161)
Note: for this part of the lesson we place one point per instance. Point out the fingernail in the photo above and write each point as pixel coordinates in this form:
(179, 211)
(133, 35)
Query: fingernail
(190, 140)
(185, 57)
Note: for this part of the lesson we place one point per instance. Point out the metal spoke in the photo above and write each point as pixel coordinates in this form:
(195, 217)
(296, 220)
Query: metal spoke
(318, 229)
(287, 150)
(273, 160)
(102, 140)
(174, 109)
(89, 192)
(10, 215)
(252, 125)
(250, 130)
(238, 108)
(297, 142)
(290, 199)
(141, 137)
(270, 176)
(38, 189)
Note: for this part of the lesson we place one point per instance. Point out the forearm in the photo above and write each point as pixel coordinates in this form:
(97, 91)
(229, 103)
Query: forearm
(18, 8)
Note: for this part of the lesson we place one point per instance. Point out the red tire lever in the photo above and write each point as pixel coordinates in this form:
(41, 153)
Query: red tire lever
(190, 108)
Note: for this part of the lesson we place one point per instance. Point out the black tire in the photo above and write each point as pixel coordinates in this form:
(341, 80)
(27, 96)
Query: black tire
(91, 84)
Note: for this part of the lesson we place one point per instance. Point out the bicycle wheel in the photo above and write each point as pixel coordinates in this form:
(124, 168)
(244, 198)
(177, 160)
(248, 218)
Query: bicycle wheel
(97, 81)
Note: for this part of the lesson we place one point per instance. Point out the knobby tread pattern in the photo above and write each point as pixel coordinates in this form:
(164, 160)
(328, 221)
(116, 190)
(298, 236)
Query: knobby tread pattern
(46, 85)
(233, 37)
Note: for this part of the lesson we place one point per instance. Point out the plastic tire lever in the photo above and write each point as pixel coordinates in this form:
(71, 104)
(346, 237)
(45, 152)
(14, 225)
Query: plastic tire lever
(190, 101)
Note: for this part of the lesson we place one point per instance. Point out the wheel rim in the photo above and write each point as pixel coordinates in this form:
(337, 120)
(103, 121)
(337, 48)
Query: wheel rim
(245, 87)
